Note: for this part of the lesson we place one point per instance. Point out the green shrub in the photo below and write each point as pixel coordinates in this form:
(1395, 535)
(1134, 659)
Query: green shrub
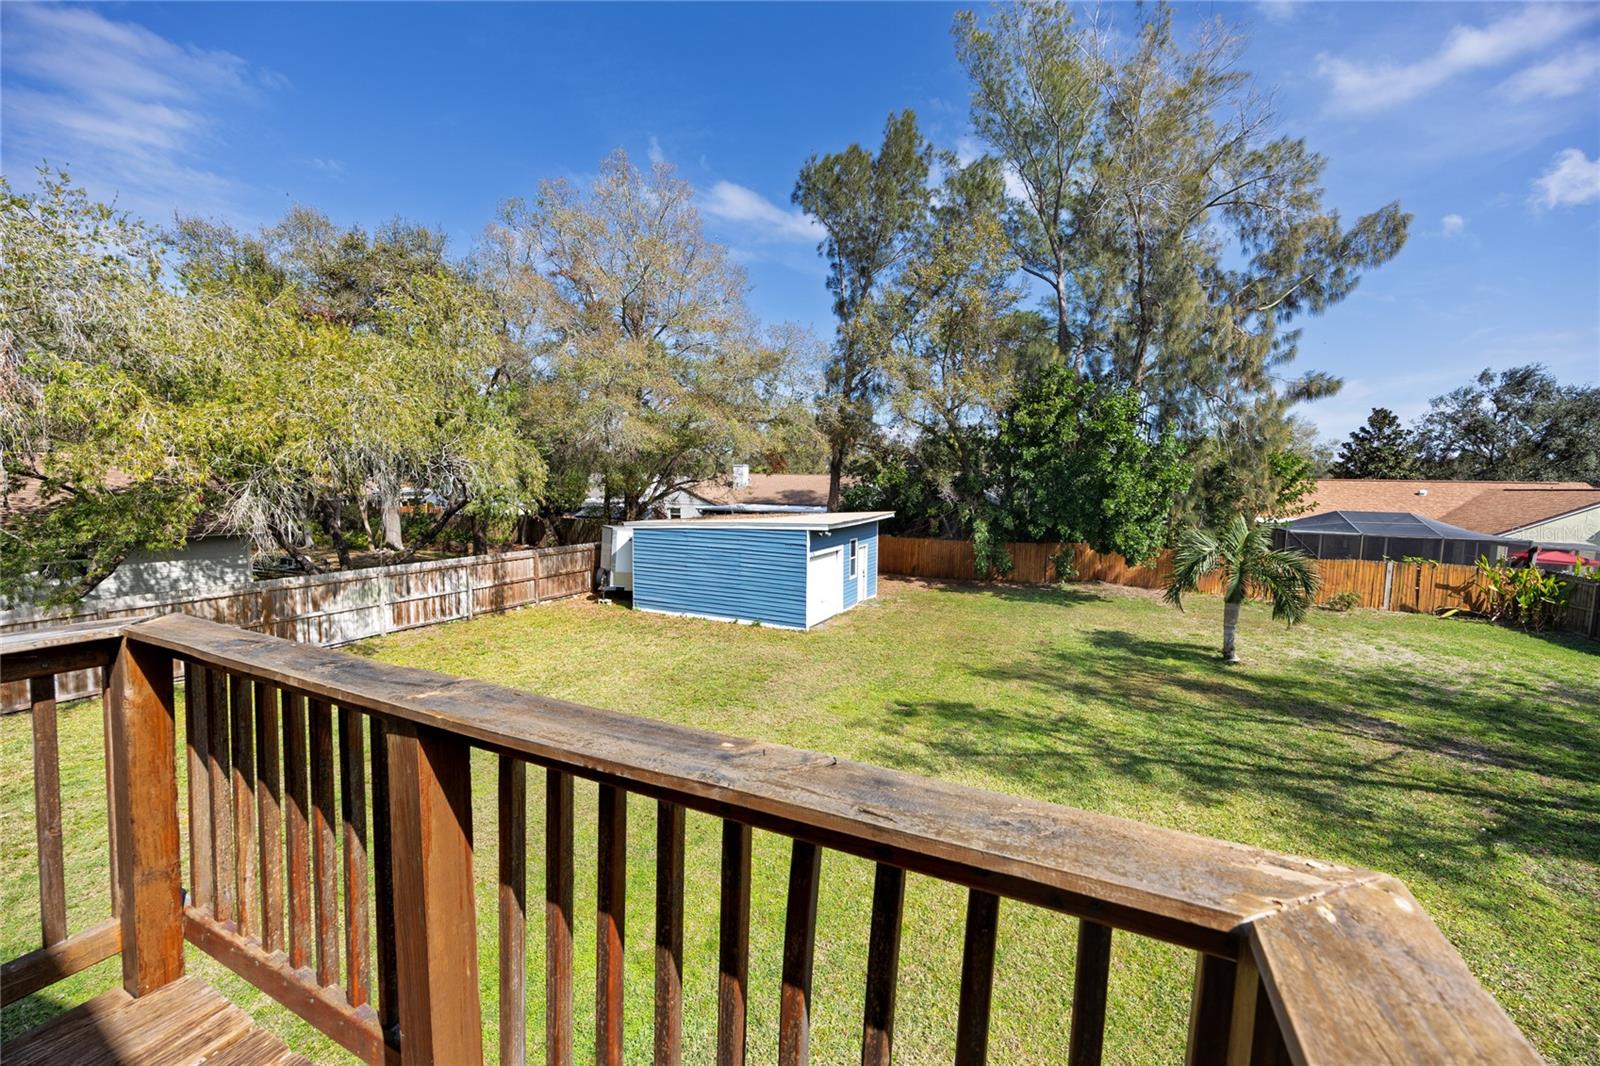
(1522, 595)
(1344, 601)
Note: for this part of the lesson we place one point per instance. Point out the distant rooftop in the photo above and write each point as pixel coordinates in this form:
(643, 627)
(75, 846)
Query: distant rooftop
(819, 520)
(1492, 506)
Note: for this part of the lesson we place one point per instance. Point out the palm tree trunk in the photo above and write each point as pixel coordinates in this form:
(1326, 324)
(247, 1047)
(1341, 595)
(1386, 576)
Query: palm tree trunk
(1230, 626)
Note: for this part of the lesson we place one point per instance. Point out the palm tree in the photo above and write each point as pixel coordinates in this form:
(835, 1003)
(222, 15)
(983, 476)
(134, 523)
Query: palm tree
(1243, 551)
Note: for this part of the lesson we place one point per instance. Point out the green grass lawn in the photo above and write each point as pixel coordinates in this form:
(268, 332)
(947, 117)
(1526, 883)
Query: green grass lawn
(1462, 758)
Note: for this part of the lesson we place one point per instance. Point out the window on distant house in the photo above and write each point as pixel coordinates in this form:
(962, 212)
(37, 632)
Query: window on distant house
(852, 558)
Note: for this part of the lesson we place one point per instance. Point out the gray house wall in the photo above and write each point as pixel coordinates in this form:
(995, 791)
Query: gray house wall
(206, 563)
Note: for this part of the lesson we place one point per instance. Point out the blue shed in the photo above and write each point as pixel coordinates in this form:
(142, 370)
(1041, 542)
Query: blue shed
(789, 570)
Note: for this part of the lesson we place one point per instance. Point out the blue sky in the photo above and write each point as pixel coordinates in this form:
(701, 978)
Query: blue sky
(1482, 119)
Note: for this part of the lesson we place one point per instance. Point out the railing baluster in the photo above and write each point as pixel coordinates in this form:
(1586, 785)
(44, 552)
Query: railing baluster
(733, 948)
(1253, 1035)
(247, 889)
(513, 898)
(558, 918)
(221, 758)
(1210, 1011)
(383, 877)
(197, 744)
(353, 809)
(799, 944)
(977, 978)
(298, 831)
(47, 810)
(1089, 994)
(324, 845)
(883, 965)
(269, 811)
(111, 791)
(610, 905)
(669, 934)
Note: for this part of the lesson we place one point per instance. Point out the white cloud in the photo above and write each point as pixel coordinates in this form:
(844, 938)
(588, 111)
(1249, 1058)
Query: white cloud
(1366, 87)
(1567, 74)
(127, 110)
(1573, 178)
(331, 167)
(735, 203)
(657, 156)
(1278, 10)
(1452, 225)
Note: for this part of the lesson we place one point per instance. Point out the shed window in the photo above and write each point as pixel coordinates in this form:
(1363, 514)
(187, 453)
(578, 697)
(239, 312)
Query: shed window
(852, 559)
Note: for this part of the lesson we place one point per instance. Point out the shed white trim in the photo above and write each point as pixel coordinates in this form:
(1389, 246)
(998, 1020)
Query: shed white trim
(823, 521)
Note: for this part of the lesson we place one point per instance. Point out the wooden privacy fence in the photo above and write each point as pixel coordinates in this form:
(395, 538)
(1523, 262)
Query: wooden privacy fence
(331, 852)
(1388, 586)
(337, 608)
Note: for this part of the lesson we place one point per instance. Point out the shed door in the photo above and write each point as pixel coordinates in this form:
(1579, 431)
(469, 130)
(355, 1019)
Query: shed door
(824, 585)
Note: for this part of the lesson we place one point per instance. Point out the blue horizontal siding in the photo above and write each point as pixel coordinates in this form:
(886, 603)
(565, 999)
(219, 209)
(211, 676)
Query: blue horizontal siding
(866, 537)
(748, 575)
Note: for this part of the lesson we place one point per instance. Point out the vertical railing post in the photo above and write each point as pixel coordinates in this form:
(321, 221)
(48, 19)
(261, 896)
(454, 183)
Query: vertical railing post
(436, 941)
(145, 781)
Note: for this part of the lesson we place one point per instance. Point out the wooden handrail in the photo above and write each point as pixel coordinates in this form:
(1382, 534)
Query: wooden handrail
(1177, 886)
(1320, 962)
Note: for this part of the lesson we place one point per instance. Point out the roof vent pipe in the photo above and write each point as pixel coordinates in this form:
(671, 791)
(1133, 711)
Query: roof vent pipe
(1422, 492)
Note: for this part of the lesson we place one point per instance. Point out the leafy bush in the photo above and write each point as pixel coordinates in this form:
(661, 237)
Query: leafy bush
(1344, 601)
(1522, 595)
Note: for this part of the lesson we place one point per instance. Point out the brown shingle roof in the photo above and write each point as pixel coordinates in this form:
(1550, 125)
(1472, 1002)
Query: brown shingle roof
(786, 490)
(1485, 506)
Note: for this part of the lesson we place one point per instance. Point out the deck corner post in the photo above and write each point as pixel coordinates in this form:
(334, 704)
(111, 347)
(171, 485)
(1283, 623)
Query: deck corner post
(436, 943)
(145, 784)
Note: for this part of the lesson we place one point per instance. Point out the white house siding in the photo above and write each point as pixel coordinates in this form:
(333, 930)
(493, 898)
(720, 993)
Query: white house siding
(1578, 527)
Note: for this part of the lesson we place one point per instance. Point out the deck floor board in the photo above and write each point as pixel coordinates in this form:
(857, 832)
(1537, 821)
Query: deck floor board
(184, 1023)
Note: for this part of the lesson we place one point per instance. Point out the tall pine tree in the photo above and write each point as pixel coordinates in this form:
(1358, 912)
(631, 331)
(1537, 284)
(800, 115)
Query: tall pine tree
(1381, 449)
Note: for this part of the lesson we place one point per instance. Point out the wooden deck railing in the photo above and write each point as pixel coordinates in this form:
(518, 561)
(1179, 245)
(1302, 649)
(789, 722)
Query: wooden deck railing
(1296, 960)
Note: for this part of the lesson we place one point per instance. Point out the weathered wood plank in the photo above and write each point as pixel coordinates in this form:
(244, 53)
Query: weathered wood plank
(146, 781)
(733, 945)
(1123, 874)
(197, 747)
(512, 803)
(669, 934)
(219, 769)
(297, 809)
(1089, 994)
(799, 951)
(1210, 1011)
(430, 802)
(47, 811)
(1370, 952)
(977, 978)
(610, 911)
(247, 886)
(269, 813)
(51, 660)
(383, 877)
(353, 1028)
(182, 1023)
(43, 967)
(883, 965)
(353, 811)
(1253, 1035)
(324, 841)
(558, 879)
(109, 739)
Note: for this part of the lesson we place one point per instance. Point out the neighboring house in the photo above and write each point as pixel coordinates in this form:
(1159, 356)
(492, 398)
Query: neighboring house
(747, 493)
(792, 571)
(208, 560)
(1563, 512)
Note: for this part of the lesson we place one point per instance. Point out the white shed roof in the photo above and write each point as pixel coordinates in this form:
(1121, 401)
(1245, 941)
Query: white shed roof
(823, 520)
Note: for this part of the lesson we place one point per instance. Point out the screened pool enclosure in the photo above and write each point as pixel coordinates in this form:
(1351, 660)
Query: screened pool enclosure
(1378, 535)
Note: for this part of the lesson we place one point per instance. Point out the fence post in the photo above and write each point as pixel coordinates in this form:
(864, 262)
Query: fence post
(145, 782)
(1388, 583)
(384, 610)
(435, 926)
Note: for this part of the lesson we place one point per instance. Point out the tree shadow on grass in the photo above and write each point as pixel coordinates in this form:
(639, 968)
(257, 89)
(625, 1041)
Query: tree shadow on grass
(1517, 770)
